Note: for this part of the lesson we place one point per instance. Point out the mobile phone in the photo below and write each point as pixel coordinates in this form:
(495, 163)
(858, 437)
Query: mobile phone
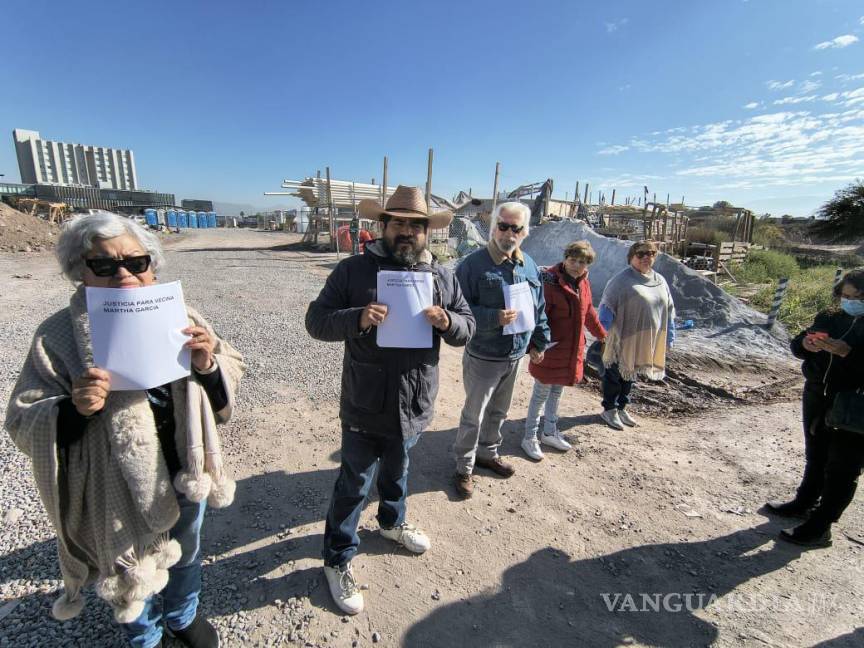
(817, 335)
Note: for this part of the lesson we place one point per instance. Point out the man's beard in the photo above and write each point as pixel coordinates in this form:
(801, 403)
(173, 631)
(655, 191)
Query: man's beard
(506, 246)
(404, 256)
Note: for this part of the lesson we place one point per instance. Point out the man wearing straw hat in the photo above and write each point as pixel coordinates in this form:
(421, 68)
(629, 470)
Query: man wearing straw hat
(388, 393)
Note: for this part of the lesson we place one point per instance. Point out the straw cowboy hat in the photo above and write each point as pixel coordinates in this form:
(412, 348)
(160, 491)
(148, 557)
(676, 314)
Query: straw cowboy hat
(406, 202)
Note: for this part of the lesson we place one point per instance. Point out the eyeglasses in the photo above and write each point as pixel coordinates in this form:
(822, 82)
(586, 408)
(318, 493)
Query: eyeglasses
(646, 253)
(104, 267)
(503, 227)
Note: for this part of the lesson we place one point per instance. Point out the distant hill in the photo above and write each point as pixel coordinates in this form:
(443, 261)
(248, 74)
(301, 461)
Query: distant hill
(234, 209)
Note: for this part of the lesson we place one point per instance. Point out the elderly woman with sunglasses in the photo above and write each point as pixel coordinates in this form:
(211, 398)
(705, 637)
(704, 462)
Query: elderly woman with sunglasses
(124, 475)
(637, 311)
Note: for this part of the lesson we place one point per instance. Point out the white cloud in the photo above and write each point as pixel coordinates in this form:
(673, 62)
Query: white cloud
(615, 25)
(779, 85)
(812, 74)
(808, 86)
(614, 149)
(836, 43)
(831, 97)
(753, 105)
(794, 100)
(777, 149)
(845, 78)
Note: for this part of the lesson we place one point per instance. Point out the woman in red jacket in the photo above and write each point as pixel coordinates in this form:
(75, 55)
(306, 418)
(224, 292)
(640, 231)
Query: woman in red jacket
(569, 309)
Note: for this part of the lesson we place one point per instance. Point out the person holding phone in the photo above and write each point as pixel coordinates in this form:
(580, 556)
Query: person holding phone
(832, 350)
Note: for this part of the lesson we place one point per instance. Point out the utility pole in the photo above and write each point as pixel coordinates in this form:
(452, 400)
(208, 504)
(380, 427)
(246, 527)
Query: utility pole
(384, 185)
(429, 184)
(495, 187)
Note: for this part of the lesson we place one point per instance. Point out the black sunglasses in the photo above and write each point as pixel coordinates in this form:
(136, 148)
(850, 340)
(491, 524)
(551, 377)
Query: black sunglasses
(646, 253)
(105, 267)
(503, 227)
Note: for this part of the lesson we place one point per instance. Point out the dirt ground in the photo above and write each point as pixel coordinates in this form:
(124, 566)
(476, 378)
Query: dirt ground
(649, 537)
(24, 233)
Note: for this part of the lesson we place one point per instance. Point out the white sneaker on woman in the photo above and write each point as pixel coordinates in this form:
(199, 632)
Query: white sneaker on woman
(626, 419)
(532, 449)
(556, 441)
(611, 418)
(343, 588)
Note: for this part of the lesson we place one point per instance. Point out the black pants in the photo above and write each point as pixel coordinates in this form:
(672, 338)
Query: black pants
(834, 460)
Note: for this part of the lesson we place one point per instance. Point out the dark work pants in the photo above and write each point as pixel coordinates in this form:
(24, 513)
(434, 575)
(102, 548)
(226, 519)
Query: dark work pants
(833, 462)
(616, 390)
(362, 453)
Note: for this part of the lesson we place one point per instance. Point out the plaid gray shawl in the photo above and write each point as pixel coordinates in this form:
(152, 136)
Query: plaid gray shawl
(112, 502)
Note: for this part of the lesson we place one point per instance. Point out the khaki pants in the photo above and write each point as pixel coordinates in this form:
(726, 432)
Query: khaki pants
(488, 393)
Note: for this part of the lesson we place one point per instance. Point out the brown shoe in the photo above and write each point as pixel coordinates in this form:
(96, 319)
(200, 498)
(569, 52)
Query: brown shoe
(464, 485)
(496, 465)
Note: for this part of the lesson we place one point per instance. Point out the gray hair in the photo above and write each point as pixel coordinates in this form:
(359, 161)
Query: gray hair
(513, 207)
(78, 234)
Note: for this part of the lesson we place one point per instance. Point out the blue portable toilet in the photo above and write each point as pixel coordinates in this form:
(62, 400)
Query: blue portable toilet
(193, 219)
(182, 219)
(150, 217)
(211, 219)
(171, 216)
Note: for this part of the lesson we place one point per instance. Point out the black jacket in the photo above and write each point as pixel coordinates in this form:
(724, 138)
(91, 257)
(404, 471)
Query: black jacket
(828, 373)
(383, 389)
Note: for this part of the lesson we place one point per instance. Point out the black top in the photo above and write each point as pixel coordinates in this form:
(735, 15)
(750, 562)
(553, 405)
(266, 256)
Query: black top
(73, 424)
(828, 373)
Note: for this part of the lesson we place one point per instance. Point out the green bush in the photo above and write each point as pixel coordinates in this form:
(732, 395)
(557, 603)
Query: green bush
(706, 235)
(767, 265)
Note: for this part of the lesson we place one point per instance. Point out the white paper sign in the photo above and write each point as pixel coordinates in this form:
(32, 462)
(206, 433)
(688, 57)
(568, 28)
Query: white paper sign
(136, 334)
(406, 294)
(518, 297)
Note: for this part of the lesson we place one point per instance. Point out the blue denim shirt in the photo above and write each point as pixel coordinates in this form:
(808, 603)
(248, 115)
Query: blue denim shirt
(482, 282)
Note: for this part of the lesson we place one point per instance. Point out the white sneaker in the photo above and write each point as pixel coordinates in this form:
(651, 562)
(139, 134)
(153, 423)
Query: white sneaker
(611, 418)
(626, 419)
(556, 441)
(409, 536)
(532, 449)
(343, 588)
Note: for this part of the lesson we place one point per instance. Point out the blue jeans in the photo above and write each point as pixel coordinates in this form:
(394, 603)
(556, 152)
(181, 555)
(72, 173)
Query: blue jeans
(548, 395)
(362, 453)
(616, 390)
(177, 604)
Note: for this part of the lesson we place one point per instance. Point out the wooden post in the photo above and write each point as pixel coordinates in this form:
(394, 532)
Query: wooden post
(332, 228)
(779, 295)
(384, 185)
(495, 187)
(429, 184)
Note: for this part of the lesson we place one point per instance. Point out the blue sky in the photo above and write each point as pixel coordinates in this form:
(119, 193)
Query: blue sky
(759, 102)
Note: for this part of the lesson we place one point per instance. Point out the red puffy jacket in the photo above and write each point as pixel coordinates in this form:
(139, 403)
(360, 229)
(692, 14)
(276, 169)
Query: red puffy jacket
(569, 311)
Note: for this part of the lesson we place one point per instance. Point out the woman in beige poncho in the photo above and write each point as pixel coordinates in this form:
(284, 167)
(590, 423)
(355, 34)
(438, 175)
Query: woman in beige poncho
(124, 475)
(637, 311)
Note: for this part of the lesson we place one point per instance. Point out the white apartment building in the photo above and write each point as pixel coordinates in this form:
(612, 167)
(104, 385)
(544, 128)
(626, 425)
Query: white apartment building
(61, 163)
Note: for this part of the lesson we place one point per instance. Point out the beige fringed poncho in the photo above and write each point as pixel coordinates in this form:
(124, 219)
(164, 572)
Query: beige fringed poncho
(643, 309)
(113, 502)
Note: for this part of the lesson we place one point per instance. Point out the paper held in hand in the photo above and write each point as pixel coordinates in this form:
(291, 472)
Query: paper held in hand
(518, 297)
(406, 294)
(136, 334)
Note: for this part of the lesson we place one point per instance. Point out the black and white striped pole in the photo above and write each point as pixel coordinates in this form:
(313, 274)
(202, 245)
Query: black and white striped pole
(779, 296)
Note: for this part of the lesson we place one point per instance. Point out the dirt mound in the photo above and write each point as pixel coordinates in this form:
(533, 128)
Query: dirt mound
(24, 233)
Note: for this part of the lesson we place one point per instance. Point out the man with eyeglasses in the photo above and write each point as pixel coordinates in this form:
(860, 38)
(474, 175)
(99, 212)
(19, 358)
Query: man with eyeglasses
(490, 364)
(388, 394)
